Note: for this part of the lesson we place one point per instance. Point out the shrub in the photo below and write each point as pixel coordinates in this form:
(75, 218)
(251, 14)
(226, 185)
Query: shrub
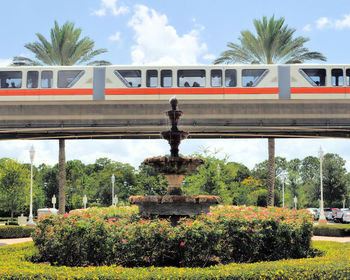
(332, 230)
(117, 235)
(14, 264)
(15, 231)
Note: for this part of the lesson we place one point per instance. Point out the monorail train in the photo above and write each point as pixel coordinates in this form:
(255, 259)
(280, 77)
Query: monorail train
(296, 81)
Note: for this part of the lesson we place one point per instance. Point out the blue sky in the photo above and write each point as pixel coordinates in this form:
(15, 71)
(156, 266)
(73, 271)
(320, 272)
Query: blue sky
(172, 32)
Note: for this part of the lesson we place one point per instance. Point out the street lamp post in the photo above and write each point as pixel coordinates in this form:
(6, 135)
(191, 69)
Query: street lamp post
(283, 176)
(31, 155)
(85, 201)
(113, 180)
(295, 202)
(53, 200)
(322, 220)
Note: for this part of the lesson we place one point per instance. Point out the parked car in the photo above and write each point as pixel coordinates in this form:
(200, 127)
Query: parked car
(339, 214)
(334, 213)
(328, 213)
(315, 212)
(346, 216)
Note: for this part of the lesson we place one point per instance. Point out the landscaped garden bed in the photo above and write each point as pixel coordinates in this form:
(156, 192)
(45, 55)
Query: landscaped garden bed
(119, 236)
(333, 264)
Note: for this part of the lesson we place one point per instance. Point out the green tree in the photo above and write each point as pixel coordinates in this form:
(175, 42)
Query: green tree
(65, 48)
(334, 180)
(14, 186)
(274, 42)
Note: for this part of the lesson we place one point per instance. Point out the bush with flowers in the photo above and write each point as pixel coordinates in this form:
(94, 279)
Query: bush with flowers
(118, 235)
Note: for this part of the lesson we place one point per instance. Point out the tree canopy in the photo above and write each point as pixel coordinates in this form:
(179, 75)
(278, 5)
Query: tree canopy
(66, 48)
(274, 42)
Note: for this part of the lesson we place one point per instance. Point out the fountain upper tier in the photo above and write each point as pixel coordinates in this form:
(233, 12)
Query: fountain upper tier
(174, 135)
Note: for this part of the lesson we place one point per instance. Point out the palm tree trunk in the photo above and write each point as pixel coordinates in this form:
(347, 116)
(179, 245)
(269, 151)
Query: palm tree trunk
(271, 173)
(62, 177)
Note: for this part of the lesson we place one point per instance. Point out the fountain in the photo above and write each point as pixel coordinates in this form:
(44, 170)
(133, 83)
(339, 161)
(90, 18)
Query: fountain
(175, 167)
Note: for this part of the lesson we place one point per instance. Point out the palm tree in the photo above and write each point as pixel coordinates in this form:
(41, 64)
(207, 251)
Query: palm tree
(65, 48)
(274, 43)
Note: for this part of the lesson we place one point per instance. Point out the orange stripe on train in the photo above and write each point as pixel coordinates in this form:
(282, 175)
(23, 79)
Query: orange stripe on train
(328, 90)
(170, 91)
(31, 92)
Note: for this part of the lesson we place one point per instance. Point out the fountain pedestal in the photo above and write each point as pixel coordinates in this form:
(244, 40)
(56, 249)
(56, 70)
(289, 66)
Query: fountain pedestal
(174, 204)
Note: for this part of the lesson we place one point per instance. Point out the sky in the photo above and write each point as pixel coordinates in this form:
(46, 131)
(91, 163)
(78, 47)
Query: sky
(182, 32)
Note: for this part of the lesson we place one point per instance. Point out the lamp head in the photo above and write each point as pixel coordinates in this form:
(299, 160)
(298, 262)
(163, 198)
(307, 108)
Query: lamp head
(31, 154)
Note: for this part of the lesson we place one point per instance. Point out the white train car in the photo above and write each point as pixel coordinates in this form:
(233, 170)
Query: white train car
(46, 83)
(315, 81)
(117, 82)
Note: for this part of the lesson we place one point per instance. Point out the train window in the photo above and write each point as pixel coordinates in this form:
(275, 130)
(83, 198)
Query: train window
(216, 78)
(10, 79)
(252, 77)
(166, 78)
(46, 79)
(32, 79)
(347, 77)
(130, 78)
(67, 78)
(152, 78)
(315, 76)
(191, 78)
(230, 78)
(337, 77)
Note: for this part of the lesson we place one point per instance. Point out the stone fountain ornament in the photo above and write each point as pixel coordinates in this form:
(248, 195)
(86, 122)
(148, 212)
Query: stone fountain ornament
(175, 167)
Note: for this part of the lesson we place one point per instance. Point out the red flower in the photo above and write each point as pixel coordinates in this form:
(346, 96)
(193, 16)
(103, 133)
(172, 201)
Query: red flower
(66, 214)
(182, 244)
(124, 240)
(160, 229)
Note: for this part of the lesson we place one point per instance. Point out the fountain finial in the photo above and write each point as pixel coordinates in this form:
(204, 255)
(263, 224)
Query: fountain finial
(173, 102)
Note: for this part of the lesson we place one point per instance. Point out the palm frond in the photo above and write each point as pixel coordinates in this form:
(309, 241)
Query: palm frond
(273, 43)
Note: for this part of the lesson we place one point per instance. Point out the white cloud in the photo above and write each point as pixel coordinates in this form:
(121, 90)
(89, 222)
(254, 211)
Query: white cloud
(209, 56)
(112, 7)
(157, 42)
(115, 37)
(323, 23)
(5, 61)
(307, 28)
(343, 23)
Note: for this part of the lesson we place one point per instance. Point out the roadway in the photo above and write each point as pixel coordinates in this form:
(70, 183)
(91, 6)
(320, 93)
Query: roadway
(203, 119)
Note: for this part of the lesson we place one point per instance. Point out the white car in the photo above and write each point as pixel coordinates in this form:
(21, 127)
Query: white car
(346, 216)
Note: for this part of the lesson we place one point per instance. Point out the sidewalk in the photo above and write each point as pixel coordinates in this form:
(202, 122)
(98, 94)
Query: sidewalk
(14, 241)
(332, 238)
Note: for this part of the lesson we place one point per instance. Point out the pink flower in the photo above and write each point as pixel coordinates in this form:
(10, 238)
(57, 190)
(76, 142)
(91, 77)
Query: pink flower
(160, 229)
(170, 232)
(66, 214)
(182, 244)
(208, 214)
(124, 240)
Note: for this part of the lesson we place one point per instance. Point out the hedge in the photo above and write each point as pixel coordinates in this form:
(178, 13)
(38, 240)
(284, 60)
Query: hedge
(333, 264)
(332, 230)
(15, 231)
(227, 234)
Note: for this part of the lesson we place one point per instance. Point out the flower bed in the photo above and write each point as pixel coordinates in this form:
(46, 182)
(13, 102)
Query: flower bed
(119, 236)
(14, 264)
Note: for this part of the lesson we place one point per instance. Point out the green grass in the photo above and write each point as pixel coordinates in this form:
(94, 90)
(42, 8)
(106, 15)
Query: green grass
(333, 264)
